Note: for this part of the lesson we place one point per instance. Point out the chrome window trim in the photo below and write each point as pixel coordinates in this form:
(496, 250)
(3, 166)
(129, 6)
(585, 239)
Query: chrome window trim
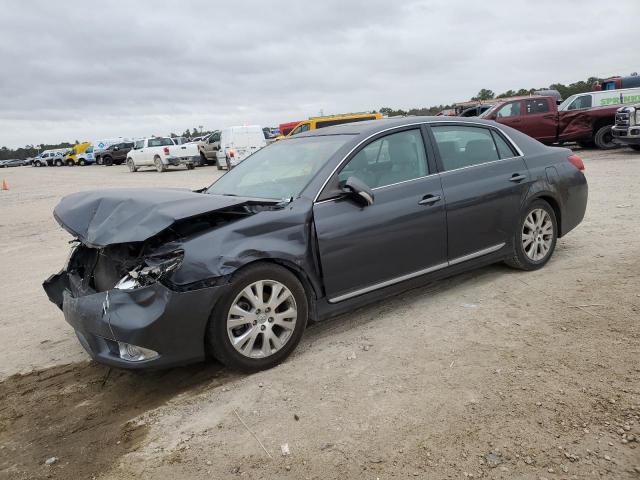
(408, 276)
(430, 123)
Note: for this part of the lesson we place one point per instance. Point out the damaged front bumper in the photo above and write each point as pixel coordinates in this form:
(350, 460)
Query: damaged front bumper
(156, 318)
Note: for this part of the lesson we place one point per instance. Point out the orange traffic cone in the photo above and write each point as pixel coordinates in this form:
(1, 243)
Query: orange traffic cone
(4, 185)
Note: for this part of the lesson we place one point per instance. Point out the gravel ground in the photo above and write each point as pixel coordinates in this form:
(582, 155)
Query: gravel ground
(490, 374)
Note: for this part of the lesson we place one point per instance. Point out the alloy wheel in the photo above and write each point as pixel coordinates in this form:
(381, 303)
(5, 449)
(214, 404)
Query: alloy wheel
(537, 234)
(262, 319)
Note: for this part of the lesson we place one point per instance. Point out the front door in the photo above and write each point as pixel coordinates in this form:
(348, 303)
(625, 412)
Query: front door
(510, 114)
(485, 182)
(402, 235)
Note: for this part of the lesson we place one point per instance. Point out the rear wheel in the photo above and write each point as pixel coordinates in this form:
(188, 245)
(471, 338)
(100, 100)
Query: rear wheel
(604, 138)
(58, 163)
(37, 163)
(82, 162)
(131, 165)
(70, 163)
(535, 238)
(159, 165)
(108, 161)
(261, 320)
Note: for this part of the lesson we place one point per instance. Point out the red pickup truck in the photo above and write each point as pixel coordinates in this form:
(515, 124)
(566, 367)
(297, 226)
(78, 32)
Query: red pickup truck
(538, 117)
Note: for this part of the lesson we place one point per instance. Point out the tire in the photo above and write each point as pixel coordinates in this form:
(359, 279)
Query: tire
(159, 165)
(70, 163)
(604, 139)
(635, 147)
(263, 326)
(520, 259)
(37, 163)
(131, 165)
(82, 162)
(190, 166)
(58, 163)
(107, 161)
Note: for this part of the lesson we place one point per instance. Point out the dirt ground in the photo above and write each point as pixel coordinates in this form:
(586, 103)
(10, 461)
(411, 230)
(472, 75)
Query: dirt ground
(490, 374)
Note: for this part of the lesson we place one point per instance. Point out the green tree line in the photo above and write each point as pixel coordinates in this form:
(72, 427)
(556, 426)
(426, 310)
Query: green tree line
(484, 94)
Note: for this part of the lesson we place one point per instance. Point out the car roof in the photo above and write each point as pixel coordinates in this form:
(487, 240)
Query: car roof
(371, 127)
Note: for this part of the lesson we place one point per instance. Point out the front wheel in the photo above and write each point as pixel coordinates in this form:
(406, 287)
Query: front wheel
(58, 163)
(37, 163)
(261, 320)
(131, 165)
(535, 238)
(82, 162)
(604, 138)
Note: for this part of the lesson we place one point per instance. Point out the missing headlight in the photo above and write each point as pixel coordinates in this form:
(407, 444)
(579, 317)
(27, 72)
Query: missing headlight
(152, 269)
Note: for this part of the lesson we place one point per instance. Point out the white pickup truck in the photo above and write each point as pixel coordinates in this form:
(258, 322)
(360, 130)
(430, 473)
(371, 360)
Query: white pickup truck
(160, 153)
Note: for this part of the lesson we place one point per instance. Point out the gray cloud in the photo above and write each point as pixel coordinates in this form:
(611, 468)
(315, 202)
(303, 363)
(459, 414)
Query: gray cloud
(85, 70)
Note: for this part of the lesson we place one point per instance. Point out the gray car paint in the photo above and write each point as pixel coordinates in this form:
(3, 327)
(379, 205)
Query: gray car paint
(333, 246)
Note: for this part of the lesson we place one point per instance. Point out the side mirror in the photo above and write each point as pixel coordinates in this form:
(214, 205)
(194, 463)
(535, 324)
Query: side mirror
(359, 191)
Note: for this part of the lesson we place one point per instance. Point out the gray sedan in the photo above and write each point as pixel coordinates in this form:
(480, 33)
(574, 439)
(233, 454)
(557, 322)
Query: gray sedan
(305, 229)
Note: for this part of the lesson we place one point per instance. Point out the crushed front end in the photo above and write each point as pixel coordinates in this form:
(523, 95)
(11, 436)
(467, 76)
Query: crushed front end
(124, 309)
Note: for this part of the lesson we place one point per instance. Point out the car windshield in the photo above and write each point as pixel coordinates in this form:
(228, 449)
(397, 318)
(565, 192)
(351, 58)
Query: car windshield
(280, 170)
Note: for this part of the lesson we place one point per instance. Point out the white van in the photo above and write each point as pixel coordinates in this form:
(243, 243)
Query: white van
(237, 143)
(603, 98)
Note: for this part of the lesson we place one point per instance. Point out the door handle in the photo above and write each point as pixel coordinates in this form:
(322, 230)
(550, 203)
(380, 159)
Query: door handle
(517, 177)
(429, 199)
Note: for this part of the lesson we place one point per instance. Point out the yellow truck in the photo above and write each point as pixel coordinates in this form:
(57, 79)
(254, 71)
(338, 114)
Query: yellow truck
(329, 121)
(80, 154)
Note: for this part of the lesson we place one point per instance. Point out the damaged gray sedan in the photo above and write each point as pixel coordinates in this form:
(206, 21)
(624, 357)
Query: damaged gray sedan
(305, 229)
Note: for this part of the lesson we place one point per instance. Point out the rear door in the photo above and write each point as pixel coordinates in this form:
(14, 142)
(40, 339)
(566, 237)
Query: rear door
(485, 181)
(540, 119)
(401, 235)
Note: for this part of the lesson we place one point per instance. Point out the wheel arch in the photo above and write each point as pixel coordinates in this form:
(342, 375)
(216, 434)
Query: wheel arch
(554, 204)
(312, 290)
(602, 122)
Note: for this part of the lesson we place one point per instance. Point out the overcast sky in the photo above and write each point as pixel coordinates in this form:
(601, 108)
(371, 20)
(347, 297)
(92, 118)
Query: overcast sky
(85, 70)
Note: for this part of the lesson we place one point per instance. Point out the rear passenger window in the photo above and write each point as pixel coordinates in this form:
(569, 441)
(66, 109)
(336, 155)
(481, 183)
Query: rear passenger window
(537, 106)
(461, 146)
(392, 159)
(504, 149)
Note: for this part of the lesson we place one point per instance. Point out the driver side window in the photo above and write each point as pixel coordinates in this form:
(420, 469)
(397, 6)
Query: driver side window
(509, 110)
(391, 159)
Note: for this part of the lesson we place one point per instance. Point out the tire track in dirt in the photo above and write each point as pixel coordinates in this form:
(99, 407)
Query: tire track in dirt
(85, 415)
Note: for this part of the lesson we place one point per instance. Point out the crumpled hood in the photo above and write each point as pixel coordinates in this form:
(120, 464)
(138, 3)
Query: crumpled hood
(106, 217)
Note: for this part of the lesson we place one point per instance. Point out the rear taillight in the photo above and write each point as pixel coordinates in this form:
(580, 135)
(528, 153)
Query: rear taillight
(166, 150)
(576, 161)
(232, 153)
